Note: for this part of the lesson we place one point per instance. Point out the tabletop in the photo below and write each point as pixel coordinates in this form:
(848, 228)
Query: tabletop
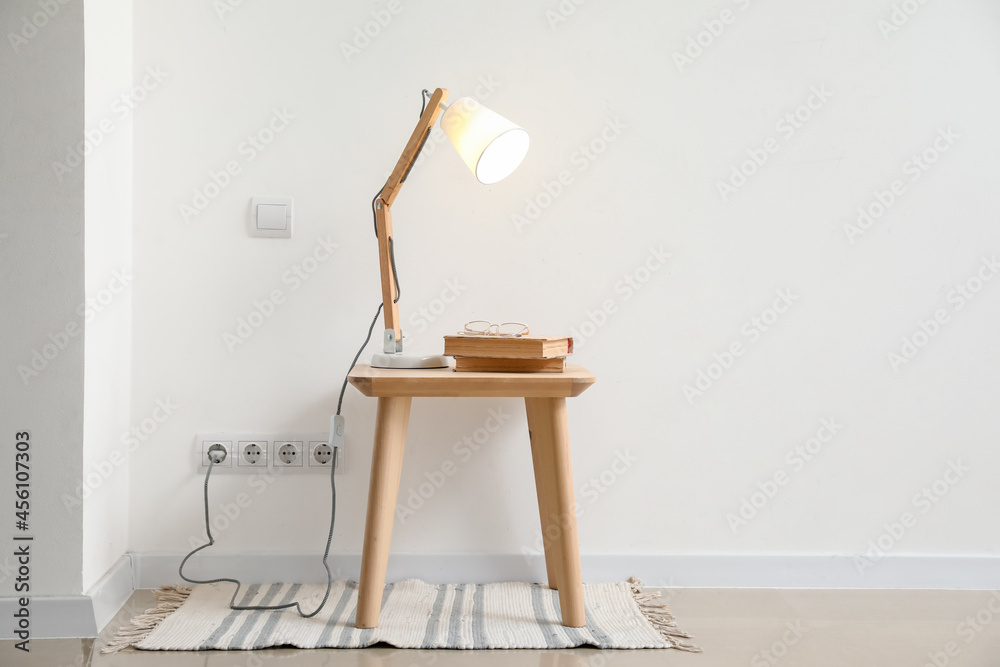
(389, 382)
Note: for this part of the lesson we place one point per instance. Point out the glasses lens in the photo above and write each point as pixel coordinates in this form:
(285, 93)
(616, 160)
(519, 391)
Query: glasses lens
(477, 327)
(512, 329)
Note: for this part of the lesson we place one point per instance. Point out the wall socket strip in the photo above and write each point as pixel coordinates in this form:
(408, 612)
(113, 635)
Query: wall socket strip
(247, 453)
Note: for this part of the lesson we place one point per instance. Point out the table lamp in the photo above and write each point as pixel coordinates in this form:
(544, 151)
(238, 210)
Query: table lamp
(490, 145)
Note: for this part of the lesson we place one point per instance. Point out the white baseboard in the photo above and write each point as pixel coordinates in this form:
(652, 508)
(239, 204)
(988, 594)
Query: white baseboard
(112, 591)
(51, 617)
(76, 616)
(153, 570)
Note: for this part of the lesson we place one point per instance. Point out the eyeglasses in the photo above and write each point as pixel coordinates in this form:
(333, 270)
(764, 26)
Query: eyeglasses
(484, 328)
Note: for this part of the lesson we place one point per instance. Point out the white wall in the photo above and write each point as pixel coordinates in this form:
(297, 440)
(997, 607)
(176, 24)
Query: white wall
(42, 279)
(675, 133)
(108, 122)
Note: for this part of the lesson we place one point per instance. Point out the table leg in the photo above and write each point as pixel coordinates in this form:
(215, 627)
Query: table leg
(536, 425)
(387, 464)
(549, 430)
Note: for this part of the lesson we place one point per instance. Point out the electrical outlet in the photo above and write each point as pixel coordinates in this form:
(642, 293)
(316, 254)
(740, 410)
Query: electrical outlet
(287, 453)
(225, 444)
(321, 454)
(253, 453)
(217, 453)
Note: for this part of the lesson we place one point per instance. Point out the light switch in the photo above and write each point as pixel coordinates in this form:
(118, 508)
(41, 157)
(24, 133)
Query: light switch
(271, 217)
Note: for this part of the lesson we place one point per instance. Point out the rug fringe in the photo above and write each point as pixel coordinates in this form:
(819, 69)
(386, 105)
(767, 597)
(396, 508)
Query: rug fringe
(659, 617)
(169, 599)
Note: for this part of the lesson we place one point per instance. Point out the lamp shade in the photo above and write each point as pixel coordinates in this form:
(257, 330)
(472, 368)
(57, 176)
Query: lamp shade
(490, 145)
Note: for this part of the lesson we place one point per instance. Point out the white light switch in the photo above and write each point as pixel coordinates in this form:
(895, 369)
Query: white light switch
(271, 217)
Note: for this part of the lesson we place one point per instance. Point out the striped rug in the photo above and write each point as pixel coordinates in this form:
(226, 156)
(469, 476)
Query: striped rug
(414, 615)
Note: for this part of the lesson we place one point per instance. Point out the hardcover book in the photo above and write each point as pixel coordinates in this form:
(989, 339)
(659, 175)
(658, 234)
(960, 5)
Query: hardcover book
(508, 347)
(508, 365)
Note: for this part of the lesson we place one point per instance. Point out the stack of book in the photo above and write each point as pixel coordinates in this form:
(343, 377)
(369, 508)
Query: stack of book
(526, 354)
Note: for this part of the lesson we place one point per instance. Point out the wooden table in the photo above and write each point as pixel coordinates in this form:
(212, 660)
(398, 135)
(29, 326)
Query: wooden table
(545, 397)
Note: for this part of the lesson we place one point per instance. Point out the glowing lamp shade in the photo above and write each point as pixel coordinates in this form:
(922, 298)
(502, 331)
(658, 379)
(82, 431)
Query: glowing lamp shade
(490, 145)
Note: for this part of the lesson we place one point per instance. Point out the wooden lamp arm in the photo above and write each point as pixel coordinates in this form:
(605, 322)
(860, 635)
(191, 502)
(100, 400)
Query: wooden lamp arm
(417, 139)
(392, 338)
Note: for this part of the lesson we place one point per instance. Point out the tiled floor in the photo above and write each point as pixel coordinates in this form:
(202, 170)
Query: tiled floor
(758, 628)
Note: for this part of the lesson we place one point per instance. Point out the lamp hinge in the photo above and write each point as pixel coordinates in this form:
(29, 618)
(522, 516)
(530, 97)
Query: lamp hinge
(389, 343)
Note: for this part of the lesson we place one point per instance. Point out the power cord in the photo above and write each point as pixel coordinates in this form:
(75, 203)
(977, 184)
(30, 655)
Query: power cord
(392, 245)
(217, 454)
(425, 95)
(357, 356)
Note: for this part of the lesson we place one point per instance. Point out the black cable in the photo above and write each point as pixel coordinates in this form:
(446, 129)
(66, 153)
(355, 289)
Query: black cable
(425, 95)
(392, 253)
(374, 215)
(343, 387)
(329, 537)
(392, 262)
(211, 541)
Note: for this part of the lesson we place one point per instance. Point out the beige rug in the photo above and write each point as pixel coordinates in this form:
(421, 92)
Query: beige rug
(414, 615)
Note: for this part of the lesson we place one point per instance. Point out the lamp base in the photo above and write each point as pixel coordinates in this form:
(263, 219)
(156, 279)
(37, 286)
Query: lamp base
(410, 361)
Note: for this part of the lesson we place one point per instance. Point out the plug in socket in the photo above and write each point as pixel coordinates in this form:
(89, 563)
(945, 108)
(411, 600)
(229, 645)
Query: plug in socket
(227, 445)
(250, 453)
